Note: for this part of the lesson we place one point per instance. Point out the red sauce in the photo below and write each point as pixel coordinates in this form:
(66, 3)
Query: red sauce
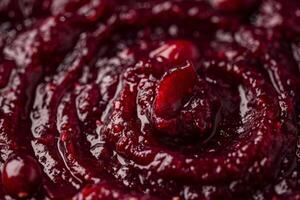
(124, 99)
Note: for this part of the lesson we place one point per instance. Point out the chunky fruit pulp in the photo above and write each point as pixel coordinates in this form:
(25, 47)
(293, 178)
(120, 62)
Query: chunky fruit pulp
(124, 99)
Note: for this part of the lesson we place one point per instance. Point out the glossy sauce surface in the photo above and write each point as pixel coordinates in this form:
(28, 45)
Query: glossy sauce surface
(127, 99)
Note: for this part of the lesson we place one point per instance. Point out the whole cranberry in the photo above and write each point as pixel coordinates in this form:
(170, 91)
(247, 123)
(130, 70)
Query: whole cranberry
(21, 175)
(233, 5)
(176, 51)
(173, 87)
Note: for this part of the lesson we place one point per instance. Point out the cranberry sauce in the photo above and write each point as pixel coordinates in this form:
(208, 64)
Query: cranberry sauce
(156, 99)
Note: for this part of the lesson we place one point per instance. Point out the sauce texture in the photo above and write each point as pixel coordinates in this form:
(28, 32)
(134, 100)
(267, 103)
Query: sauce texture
(127, 99)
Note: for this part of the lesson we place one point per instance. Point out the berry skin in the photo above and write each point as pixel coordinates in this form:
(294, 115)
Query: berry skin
(232, 5)
(171, 90)
(176, 51)
(21, 175)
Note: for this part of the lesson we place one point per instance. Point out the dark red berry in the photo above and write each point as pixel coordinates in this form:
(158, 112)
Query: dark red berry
(232, 5)
(173, 87)
(176, 51)
(21, 176)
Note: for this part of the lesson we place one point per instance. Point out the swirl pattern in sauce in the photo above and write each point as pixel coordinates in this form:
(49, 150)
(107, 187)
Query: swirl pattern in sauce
(125, 99)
